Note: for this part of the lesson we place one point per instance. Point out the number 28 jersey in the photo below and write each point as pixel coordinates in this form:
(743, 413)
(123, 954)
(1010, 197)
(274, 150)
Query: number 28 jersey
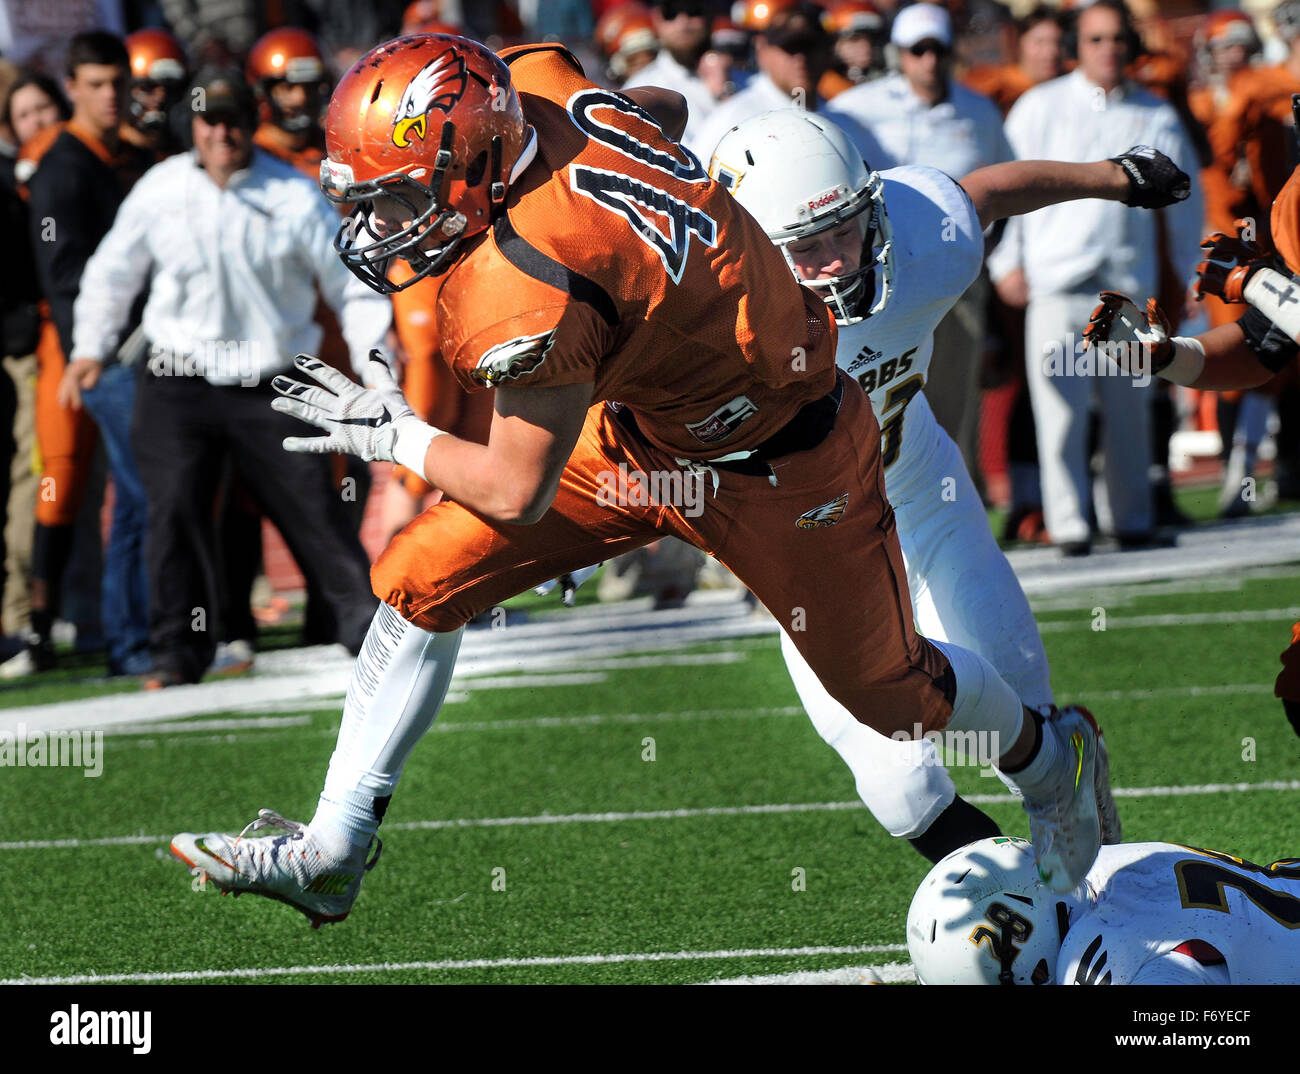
(1147, 899)
(937, 252)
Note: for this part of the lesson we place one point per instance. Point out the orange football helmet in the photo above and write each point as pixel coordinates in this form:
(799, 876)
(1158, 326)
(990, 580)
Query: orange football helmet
(853, 17)
(435, 122)
(755, 15)
(624, 31)
(288, 55)
(159, 72)
(1220, 29)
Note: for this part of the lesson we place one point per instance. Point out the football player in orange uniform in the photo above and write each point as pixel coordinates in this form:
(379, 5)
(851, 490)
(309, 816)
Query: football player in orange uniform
(583, 257)
(159, 76)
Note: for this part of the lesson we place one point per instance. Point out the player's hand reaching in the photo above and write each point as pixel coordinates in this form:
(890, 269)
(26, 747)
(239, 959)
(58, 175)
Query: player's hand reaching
(1230, 262)
(1136, 341)
(366, 422)
(1154, 180)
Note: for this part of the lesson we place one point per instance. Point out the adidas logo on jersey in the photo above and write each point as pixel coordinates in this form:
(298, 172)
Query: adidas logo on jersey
(826, 515)
(865, 357)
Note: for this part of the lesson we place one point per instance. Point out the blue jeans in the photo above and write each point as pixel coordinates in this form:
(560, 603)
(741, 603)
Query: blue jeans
(125, 593)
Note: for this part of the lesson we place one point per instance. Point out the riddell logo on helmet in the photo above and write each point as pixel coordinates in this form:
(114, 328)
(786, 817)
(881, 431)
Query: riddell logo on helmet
(824, 200)
(439, 84)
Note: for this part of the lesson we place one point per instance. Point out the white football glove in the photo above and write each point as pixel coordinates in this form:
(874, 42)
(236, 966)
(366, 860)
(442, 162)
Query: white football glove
(1135, 340)
(372, 423)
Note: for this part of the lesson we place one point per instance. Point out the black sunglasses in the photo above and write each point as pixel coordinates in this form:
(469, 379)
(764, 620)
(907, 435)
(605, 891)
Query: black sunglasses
(922, 47)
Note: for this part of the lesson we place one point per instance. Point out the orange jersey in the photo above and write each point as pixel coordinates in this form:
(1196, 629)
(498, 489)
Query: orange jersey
(1286, 222)
(619, 263)
(1003, 83)
(307, 159)
(1256, 127)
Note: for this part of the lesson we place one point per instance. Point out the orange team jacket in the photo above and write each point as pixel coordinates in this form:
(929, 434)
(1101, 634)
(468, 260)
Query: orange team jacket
(1256, 126)
(1003, 83)
(618, 262)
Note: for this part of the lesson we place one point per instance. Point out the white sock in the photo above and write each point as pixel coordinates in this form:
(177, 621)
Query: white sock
(398, 685)
(983, 701)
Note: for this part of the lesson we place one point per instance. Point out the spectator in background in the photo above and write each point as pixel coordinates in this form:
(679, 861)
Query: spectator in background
(219, 327)
(1225, 43)
(215, 31)
(922, 115)
(626, 36)
(793, 52)
(860, 33)
(1040, 56)
(78, 184)
(31, 104)
(682, 27)
(1059, 260)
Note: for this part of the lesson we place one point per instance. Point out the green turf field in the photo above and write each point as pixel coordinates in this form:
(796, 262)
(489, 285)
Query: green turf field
(532, 840)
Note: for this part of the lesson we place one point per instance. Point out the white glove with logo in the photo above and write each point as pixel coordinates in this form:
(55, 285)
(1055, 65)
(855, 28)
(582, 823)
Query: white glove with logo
(372, 423)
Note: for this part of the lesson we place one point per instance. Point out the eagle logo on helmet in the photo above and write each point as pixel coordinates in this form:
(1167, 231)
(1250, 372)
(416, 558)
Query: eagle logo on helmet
(440, 83)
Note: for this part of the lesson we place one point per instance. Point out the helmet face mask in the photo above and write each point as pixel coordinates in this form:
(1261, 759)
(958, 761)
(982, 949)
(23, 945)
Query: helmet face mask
(427, 129)
(800, 177)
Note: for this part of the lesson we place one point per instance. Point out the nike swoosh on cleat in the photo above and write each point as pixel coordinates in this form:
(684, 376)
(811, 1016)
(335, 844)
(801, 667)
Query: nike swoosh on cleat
(201, 845)
(1076, 740)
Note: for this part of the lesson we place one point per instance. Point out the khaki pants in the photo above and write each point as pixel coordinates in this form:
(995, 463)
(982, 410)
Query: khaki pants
(20, 510)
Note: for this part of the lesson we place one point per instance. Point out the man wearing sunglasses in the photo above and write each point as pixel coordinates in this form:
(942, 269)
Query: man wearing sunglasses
(793, 51)
(682, 27)
(1057, 260)
(924, 116)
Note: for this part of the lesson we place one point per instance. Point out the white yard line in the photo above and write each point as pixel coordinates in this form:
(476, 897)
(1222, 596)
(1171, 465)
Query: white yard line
(1174, 619)
(884, 973)
(669, 814)
(254, 973)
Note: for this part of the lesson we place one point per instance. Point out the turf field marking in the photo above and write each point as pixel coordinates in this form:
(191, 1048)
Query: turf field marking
(245, 723)
(883, 973)
(457, 964)
(1261, 615)
(672, 814)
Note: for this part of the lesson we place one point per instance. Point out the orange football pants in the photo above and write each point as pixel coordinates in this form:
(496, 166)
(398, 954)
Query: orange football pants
(840, 590)
(66, 438)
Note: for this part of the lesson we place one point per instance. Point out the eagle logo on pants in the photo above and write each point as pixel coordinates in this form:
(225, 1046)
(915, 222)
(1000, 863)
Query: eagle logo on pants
(826, 515)
(439, 84)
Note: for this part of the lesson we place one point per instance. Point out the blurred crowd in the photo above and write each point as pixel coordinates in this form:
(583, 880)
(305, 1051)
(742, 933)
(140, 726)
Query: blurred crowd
(147, 143)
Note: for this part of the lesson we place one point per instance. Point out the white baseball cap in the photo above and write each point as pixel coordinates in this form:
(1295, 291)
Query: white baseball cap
(921, 22)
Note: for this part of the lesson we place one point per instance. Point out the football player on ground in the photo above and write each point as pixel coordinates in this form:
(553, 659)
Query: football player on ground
(890, 253)
(583, 257)
(1147, 914)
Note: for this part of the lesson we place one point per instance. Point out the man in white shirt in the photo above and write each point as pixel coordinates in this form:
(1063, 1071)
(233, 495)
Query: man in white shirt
(922, 115)
(232, 242)
(793, 52)
(682, 27)
(1058, 259)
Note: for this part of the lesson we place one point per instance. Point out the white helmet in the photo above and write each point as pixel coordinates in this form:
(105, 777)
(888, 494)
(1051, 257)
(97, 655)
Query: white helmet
(982, 916)
(798, 174)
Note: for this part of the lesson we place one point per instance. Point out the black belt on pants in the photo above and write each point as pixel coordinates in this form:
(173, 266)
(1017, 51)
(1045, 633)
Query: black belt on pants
(803, 432)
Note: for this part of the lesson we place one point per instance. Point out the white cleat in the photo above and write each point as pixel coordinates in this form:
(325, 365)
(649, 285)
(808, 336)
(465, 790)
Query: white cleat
(279, 859)
(1064, 821)
(1112, 831)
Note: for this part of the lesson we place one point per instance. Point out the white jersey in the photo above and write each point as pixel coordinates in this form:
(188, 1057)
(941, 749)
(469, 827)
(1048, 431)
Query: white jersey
(1146, 899)
(937, 252)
